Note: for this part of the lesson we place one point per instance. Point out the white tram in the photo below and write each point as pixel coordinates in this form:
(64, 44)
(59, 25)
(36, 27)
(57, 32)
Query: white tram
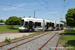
(34, 24)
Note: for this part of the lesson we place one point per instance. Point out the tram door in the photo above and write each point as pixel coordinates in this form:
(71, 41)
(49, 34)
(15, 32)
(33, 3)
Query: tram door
(53, 25)
(47, 26)
(61, 26)
(30, 26)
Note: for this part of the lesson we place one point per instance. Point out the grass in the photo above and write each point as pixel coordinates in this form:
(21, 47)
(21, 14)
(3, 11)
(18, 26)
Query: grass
(68, 38)
(8, 29)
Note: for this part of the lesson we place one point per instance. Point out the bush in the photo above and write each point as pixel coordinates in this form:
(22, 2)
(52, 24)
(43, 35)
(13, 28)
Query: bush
(7, 40)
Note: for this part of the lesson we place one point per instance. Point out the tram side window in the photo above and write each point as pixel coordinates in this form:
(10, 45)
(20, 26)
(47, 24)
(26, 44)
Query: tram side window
(37, 24)
(26, 24)
(57, 25)
(50, 24)
(61, 25)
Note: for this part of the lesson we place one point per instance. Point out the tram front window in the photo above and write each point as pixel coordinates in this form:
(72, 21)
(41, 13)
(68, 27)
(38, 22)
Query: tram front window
(22, 22)
(26, 24)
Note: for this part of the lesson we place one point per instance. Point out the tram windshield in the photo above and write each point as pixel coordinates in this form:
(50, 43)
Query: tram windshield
(26, 24)
(22, 22)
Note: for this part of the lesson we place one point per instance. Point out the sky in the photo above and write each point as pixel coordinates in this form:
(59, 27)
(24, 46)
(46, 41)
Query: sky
(44, 9)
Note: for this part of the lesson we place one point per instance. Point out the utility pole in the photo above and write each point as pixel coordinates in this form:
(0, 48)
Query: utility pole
(34, 13)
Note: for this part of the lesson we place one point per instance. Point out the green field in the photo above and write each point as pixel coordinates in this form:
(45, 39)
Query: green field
(68, 38)
(9, 29)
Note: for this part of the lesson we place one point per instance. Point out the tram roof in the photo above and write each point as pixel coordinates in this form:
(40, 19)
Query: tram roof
(39, 20)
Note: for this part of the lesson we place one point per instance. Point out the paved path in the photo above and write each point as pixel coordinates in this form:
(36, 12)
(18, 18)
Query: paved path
(12, 35)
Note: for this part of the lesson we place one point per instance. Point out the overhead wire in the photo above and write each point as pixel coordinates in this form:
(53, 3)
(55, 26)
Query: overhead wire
(49, 8)
(43, 5)
(61, 16)
(40, 3)
(12, 2)
(65, 6)
(47, 5)
(67, 3)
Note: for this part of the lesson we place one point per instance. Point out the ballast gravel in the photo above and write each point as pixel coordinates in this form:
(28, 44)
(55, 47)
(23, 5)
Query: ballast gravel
(17, 43)
(51, 45)
(35, 44)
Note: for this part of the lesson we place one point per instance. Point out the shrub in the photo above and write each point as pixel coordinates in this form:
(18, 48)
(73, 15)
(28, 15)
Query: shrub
(7, 40)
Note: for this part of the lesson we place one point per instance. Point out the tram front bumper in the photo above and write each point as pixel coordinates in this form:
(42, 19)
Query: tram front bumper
(21, 30)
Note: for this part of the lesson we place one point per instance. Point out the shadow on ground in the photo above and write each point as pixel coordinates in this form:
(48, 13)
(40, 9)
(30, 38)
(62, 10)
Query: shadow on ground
(71, 42)
(69, 33)
(12, 28)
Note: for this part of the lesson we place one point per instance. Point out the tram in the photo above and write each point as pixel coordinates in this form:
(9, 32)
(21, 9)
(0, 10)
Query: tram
(35, 24)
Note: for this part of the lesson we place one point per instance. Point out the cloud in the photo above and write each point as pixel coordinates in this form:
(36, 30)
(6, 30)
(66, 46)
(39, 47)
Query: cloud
(14, 7)
(51, 12)
(19, 6)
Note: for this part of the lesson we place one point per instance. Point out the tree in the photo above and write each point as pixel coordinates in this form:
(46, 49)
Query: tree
(13, 20)
(19, 20)
(70, 17)
(1, 21)
(63, 22)
(29, 16)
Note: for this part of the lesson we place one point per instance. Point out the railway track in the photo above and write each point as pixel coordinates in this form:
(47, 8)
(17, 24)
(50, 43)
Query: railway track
(51, 44)
(20, 42)
(39, 42)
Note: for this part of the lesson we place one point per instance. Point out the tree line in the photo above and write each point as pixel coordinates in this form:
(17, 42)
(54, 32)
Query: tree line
(12, 20)
(1, 21)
